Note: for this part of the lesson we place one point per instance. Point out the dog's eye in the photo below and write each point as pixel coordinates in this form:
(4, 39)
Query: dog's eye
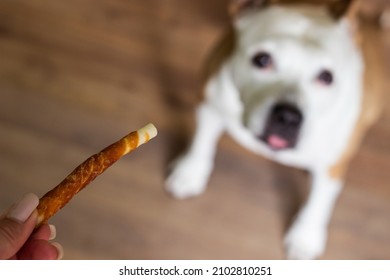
(262, 60)
(325, 77)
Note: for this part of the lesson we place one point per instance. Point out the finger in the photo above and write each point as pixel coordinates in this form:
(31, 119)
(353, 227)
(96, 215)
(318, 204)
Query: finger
(22, 210)
(13, 235)
(17, 225)
(44, 232)
(38, 249)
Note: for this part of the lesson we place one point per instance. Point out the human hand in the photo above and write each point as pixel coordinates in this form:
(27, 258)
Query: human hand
(19, 240)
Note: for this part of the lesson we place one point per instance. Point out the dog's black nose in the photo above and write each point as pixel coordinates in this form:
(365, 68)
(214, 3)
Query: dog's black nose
(287, 115)
(283, 126)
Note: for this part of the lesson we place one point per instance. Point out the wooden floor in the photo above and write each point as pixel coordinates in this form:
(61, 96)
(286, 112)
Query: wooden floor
(76, 75)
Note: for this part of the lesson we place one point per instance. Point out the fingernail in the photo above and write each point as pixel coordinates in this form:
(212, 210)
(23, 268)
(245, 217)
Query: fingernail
(24, 208)
(60, 250)
(53, 232)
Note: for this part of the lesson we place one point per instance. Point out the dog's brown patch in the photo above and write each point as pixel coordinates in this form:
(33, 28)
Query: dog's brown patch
(220, 53)
(373, 99)
(337, 8)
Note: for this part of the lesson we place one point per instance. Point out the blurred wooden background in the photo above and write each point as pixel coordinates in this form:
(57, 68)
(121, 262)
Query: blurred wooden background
(77, 75)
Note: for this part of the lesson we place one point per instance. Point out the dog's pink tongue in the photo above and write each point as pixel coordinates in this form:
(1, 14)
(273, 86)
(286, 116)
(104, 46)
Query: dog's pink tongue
(277, 142)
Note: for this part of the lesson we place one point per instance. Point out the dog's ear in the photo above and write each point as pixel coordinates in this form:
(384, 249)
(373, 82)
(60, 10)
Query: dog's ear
(340, 8)
(237, 7)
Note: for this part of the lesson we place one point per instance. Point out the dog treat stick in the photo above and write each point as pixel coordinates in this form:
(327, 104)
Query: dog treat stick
(86, 172)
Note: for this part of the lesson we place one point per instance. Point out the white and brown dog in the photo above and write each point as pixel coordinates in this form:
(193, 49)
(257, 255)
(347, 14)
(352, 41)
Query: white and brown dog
(300, 84)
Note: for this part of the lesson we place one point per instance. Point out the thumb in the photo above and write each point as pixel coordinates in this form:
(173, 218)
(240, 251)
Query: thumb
(17, 225)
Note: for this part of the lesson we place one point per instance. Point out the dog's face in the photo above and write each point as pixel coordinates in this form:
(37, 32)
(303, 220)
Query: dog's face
(293, 67)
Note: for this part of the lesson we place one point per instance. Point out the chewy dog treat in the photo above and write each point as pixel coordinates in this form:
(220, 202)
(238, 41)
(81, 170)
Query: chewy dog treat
(86, 172)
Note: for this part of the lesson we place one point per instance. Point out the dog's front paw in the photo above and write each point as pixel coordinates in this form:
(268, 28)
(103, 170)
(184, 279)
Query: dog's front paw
(305, 241)
(188, 178)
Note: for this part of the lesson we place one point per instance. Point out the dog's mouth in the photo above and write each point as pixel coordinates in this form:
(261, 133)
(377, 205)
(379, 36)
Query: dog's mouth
(282, 127)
